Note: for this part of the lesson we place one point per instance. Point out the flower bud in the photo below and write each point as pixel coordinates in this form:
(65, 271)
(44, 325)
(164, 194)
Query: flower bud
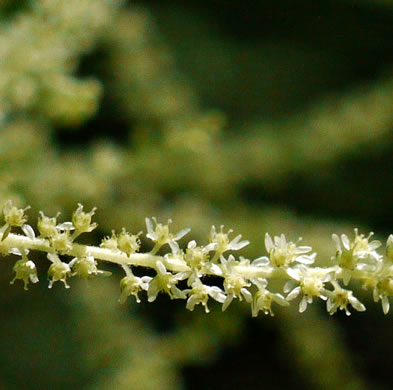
(61, 242)
(131, 285)
(14, 216)
(26, 271)
(82, 220)
(58, 271)
(110, 242)
(86, 267)
(128, 243)
(46, 225)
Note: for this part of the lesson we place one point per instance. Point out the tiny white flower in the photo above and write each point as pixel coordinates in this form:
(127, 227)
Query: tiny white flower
(58, 271)
(340, 298)
(200, 293)
(166, 282)
(14, 216)
(24, 268)
(234, 283)
(47, 225)
(263, 301)
(359, 254)
(86, 267)
(222, 241)
(282, 252)
(132, 285)
(197, 257)
(82, 220)
(160, 234)
(309, 285)
(383, 285)
(263, 298)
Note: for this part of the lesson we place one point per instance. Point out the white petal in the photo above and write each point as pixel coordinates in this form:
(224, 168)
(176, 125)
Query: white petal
(217, 294)
(303, 305)
(239, 245)
(385, 305)
(357, 304)
(182, 233)
(227, 302)
(303, 249)
(328, 277)
(304, 259)
(152, 293)
(260, 283)
(236, 239)
(223, 260)
(210, 247)
(191, 302)
(345, 241)
(149, 225)
(294, 274)
(347, 274)
(15, 251)
(29, 232)
(374, 244)
(268, 242)
(246, 294)
(261, 261)
(365, 267)
(65, 226)
(30, 265)
(375, 295)
(33, 278)
(101, 273)
(294, 293)
(329, 305)
(283, 241)
(278, 298)
(191, 244)
(231, 259)
(213, 231)
(174, 246)
(181, 276)
(216, 269)
(153, 236)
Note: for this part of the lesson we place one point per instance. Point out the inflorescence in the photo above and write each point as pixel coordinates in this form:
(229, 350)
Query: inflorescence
(242, 278)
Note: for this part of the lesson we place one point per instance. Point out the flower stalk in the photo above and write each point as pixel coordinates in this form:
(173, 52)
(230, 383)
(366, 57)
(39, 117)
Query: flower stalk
(243, 279)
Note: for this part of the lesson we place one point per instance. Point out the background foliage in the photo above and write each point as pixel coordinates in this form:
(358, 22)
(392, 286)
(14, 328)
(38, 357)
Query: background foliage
(261, 115)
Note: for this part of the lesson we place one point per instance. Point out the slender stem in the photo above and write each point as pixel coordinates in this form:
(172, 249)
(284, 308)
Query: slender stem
(102, 254)
(156, 248)
(150, 259)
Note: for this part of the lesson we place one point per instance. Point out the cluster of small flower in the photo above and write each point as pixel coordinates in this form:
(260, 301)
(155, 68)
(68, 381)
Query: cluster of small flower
(242, 278)
(55, 239)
